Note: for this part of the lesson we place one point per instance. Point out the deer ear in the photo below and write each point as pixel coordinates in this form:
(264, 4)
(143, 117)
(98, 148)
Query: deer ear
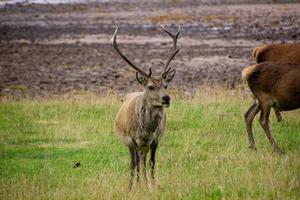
(169, 76)
(141, 79)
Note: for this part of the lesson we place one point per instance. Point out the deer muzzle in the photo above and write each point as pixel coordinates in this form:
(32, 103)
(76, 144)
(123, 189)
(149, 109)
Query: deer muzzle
(166, 100)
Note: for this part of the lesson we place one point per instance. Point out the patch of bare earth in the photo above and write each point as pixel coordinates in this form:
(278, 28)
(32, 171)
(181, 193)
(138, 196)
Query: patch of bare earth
(55, 49)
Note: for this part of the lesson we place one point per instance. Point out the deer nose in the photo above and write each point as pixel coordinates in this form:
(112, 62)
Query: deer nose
(166, 99)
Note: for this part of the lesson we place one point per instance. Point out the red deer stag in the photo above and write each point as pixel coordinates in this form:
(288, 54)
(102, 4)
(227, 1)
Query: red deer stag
(141, 120)
(289, 53)
(273, 84)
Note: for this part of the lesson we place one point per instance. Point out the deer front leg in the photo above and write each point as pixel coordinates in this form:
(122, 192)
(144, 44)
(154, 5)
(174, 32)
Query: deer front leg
(249, 116)
(264, 122)
(133, 162)
(143, 162)
(152, 158)
(137, 153)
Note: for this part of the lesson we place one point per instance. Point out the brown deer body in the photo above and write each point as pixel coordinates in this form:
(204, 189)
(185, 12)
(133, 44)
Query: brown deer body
(141, 120)
(274, 85)
(288, 53)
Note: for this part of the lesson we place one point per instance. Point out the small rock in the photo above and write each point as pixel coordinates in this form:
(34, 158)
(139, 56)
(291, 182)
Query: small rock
(76, 165)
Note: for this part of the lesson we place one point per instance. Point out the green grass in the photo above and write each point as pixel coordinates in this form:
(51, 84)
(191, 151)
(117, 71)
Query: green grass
(203, 155)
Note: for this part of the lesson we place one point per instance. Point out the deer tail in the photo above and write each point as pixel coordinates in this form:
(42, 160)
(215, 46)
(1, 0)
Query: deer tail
(246, 73)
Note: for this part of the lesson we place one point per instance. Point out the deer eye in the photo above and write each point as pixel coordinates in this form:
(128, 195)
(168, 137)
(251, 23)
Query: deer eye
(166, 86)
(151, 87)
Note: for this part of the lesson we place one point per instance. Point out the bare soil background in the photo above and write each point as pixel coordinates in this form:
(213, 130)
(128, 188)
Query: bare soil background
(52, 49)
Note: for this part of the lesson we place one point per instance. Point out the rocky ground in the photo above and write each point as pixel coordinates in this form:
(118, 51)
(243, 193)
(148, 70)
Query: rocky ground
(49, 49)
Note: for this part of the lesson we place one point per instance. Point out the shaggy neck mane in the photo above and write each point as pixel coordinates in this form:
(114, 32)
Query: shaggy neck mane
(148, 116)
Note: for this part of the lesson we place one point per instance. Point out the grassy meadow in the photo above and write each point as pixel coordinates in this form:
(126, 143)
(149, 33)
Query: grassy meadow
(204, 153)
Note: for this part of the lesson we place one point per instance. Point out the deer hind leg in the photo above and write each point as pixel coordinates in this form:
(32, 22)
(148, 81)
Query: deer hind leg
(278, 116)
(264, 122)
(132, 150)
(249, 116)
(152, 158)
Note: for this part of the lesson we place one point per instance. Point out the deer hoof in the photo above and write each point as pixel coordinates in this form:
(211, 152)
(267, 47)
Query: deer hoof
(278, 150)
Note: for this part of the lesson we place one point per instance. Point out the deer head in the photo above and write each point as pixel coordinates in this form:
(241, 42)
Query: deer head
(155, 87)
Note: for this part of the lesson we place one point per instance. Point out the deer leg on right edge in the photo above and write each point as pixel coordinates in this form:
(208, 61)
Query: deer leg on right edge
(249, 116)
(278, 116)
(132, 151)
(264, 122)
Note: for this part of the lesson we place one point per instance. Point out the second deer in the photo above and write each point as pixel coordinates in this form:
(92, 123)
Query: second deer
(287, 53)
(274, 85)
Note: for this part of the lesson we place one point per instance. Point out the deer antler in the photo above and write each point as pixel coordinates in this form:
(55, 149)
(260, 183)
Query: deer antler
(166, 70)
(174, 37)
(115, 45)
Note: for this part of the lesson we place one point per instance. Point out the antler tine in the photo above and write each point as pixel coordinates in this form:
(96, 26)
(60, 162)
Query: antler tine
(168, 62)
(150, 72)
(124, 57)
(168, 71)
(173, 36)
